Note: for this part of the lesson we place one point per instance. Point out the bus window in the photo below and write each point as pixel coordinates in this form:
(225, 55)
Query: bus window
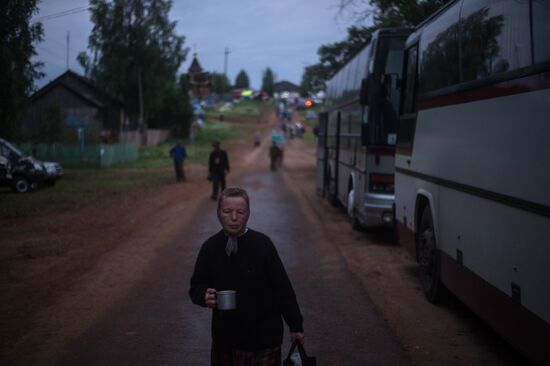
(409, 106)
(494, 37)
(406, 124)
(541, 30)
(439, 52)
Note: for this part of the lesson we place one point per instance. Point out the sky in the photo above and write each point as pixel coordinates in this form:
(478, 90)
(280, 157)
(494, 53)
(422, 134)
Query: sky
(281, 34)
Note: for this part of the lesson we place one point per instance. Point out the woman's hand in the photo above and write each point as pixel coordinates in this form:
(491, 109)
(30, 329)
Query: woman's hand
(297, 336)
(210, 298)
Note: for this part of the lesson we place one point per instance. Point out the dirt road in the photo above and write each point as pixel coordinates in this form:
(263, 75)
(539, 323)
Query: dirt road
(116, 291)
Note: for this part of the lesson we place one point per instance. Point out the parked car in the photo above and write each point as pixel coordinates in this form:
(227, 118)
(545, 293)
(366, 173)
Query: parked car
(23, 172)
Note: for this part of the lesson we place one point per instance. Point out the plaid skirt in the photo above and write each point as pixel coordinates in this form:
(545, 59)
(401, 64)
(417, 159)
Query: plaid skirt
(222, 355)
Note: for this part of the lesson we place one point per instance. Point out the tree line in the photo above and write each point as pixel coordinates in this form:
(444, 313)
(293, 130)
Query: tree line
(382, 13)
(133, 54)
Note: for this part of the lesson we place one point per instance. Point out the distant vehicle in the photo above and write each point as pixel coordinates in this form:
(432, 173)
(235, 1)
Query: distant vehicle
(472, 180)
(357, 131)
(305, 104)
(23, 172)
(311, 115)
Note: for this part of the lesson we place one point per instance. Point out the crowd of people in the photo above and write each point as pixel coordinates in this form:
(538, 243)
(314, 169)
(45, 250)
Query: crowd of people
(218, 162)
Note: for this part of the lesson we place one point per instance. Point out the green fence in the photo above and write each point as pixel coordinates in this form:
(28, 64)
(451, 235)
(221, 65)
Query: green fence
(89, 156)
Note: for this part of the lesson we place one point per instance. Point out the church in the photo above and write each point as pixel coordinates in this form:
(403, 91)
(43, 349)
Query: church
(199, 81)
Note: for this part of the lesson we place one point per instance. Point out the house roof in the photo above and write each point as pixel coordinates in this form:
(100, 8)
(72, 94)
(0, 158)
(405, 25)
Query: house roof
(285, 86)
(78, 85)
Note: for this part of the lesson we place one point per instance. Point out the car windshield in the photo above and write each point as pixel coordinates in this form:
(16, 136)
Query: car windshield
(14, 148)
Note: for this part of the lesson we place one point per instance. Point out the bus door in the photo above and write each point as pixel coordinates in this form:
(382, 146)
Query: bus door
(333, 146)
(322, 154)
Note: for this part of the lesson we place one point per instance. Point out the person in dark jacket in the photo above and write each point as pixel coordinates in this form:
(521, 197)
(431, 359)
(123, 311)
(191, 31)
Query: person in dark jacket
(179, 154)
(218, 167)
(246, 261)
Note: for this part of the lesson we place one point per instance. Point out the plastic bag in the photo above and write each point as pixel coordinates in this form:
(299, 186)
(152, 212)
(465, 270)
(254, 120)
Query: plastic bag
(303, 358)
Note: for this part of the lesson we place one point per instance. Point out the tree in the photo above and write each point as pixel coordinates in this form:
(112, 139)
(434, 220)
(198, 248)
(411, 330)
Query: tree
(17, 71)
(384, 13)
(333, 56)
(242, 81)
(313, 80)
(220, 83)
(392, 13)
(133, 46)
(268, 82)
(176, 111)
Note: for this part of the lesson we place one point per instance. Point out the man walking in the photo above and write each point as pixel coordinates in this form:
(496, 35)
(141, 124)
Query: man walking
(246, 261)
(218, 167)
(179, 154)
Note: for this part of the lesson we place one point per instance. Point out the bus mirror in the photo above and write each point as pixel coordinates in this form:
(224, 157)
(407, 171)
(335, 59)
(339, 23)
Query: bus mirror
(364, 92)
(364, 134)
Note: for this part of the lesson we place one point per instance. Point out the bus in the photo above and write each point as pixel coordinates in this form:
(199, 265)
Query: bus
(472, 166)
(357, 131)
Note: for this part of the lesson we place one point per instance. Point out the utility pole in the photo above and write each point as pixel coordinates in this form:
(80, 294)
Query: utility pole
(226, 55)
(68, 43)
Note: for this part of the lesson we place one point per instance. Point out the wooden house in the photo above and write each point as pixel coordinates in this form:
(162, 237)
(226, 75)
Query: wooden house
(72, 109)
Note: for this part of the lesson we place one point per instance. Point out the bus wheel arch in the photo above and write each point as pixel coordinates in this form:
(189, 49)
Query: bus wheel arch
(428, 255)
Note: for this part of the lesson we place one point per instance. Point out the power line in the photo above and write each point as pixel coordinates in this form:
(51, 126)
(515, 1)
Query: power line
(50, 52)
(64, 45)
(63, 13)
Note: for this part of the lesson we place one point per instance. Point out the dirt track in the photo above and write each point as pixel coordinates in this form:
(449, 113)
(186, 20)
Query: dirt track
(62, 273)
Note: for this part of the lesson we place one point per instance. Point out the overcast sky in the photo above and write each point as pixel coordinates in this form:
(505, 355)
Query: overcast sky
(281, 34)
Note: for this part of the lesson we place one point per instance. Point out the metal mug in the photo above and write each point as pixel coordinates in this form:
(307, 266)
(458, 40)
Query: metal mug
(226, 300)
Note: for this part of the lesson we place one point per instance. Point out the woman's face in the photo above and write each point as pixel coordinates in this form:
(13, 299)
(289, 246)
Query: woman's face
(233, 215)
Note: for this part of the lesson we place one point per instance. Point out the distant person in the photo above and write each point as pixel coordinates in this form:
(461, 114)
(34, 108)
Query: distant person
(275, 155)
(218, 167)
(245, 261)
(278, 137)
(257, 138)
(179, 154)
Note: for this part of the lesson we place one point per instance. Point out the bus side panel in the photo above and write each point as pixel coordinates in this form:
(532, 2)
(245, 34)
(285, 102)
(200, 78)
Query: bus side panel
(507, 247)
(404, 209)
(491, 160)
(504, 272)
(495, 144)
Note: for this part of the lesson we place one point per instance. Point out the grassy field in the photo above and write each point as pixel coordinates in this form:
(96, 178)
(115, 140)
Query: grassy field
(84, 187)
(197, 150)
(247, 108)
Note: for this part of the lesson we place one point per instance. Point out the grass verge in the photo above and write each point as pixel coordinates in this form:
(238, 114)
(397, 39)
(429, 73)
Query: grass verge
(80, 188)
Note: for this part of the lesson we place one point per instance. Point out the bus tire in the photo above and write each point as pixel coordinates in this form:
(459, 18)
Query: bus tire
(355, 224)
(429, 259)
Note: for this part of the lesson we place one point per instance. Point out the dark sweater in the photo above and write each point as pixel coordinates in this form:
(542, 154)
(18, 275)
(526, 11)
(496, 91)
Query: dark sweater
(264, 292)
(218, 162)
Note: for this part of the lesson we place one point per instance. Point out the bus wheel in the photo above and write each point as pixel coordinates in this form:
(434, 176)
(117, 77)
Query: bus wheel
(429, 259)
